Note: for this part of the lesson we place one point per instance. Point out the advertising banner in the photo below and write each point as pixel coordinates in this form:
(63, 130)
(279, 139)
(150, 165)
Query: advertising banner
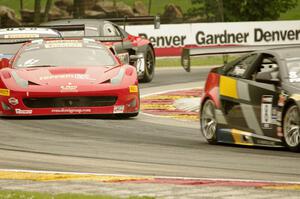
(170, 38)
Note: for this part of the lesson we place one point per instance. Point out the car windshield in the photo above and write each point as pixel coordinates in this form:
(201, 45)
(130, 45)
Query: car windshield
(293, 67)
(71, 56)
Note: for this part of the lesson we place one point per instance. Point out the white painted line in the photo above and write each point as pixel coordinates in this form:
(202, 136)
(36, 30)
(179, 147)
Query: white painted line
(143, 176)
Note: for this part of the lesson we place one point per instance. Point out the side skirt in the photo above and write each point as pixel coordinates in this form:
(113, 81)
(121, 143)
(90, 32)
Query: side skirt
(234, 136)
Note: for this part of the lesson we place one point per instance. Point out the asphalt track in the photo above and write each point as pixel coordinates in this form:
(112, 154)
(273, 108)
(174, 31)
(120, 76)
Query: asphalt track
(140, 146)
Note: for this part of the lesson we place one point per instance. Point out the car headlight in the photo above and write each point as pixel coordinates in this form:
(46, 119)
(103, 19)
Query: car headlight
(117, 79)
(21, 82)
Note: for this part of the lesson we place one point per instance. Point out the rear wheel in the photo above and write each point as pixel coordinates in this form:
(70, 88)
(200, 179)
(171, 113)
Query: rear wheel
(291, 126)
(208, 122)
(149, 65)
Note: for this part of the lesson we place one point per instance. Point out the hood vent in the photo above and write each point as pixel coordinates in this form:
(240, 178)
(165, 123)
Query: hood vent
(30, 83)
(106, 82)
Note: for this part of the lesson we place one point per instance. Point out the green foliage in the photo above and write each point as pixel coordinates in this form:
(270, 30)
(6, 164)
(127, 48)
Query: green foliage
(243, 10)
(196, 61)
(10, 194)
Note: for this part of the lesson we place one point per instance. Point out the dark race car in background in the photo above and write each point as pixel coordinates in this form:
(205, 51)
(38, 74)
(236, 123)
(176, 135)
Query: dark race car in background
(254, 100)
(67, 77)
(130, 45)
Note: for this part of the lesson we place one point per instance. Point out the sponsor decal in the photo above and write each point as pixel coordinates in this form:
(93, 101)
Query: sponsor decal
(279, 131)
(140, 64)
(266, 111)
(63, 44)
(133, 89)
(170, 37)
(119, 109)
(19, 36)
(71, 110)
(68, 76)
(69, 88)
(4, 92)
(13, 101)
(177, 40)
(23, 112)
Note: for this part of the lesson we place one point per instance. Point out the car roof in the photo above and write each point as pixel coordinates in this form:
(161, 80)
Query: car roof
(285, 52)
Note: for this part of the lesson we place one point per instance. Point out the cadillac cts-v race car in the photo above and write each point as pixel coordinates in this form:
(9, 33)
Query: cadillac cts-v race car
(66, 77)
(130, 45)
(254, 100)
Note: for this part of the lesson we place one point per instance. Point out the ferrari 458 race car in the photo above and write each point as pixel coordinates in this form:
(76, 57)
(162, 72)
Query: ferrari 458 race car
(66, 77)
(130, 45)
(254, 100)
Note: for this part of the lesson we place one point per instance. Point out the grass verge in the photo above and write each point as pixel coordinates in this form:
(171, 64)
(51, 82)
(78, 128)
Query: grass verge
(10, 194)
(195, 61)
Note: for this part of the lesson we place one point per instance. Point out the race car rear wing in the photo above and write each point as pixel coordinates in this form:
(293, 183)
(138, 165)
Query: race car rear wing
(136, 19)
(188, 52)
(9, 47)
(11, 39)
(81, 27)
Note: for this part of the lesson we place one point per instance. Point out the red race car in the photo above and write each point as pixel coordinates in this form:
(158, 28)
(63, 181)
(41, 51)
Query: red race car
(67, 77)
(129, 44)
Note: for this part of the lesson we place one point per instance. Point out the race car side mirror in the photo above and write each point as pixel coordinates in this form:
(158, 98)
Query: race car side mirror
(4, 63)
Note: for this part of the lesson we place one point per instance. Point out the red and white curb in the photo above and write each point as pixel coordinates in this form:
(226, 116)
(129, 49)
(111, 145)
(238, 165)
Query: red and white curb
(45, 176)
(180, 104)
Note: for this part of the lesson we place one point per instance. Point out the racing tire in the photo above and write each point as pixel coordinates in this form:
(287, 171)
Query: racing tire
(149, 65)
(208, 122)
(291, 128)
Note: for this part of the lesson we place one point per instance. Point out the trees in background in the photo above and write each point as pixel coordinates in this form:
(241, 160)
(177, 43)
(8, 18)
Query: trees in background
(38, 16)
(202, 10)
(239, 10)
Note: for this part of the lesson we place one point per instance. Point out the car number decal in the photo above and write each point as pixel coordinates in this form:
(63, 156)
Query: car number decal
(266, 111)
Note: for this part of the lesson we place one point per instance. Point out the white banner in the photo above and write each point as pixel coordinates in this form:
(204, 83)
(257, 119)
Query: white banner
(239, 33)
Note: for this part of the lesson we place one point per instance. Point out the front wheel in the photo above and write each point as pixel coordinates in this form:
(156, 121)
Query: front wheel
(291, 128)
(208, 122)
(149, 65)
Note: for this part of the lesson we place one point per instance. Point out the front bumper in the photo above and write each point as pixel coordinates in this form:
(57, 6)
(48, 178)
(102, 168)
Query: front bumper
(126, 101)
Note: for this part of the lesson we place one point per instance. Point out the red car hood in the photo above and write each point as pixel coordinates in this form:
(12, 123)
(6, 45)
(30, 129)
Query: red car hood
(57, 76)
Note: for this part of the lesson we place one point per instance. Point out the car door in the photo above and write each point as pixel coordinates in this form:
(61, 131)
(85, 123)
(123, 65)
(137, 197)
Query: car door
(263, 98)
(248, 105)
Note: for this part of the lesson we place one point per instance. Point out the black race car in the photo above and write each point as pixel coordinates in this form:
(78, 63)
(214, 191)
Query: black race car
(130, 45)
(254, 100)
